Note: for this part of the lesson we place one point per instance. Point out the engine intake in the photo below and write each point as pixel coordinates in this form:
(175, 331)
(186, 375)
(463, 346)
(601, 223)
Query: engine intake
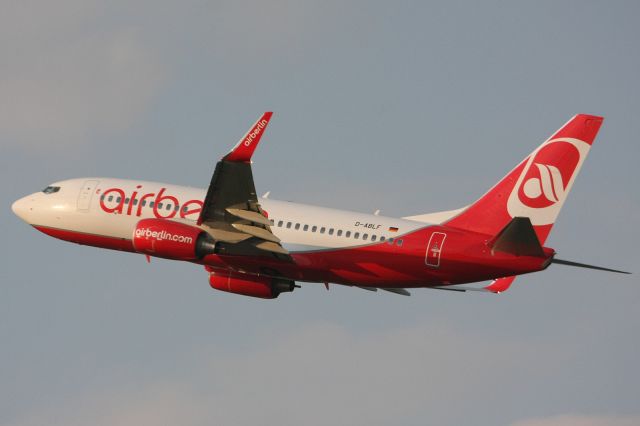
(172, 240)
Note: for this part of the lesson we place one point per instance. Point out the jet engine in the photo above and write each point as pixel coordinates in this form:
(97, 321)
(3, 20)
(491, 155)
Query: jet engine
(250, 285)
(172, 240)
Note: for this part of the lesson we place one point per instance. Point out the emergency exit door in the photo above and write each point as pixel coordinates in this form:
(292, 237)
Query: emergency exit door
(86, 193)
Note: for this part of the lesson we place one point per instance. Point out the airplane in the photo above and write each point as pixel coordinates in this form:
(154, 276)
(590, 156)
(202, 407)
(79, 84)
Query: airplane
(260, 247)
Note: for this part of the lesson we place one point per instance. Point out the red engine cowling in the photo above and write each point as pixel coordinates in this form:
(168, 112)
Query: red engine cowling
(250, 285)
(171, 240)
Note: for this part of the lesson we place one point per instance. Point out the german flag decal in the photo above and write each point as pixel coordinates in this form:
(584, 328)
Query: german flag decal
(393, 229)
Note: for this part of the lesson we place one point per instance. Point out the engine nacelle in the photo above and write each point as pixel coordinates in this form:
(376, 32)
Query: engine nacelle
(171, 240)
(250, 285)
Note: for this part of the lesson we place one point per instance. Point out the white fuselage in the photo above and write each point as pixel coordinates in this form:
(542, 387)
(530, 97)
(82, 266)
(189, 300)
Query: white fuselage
(112, 208)
(499, 236)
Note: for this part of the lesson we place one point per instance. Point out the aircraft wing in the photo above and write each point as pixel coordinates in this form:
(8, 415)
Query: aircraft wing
(231, 212)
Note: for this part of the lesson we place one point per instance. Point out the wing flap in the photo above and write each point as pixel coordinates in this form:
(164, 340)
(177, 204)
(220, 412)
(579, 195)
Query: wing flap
(249, 215)
(225, 236)
(401, 291)
(272, 247)
(261, 233)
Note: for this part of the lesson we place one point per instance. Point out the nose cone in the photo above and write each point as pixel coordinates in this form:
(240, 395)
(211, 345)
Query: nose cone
(21, 209)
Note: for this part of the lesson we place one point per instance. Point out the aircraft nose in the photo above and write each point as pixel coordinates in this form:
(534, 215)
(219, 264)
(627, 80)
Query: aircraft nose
(20, 208)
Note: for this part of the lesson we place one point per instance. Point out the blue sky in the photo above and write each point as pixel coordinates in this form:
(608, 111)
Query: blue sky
(407, 107)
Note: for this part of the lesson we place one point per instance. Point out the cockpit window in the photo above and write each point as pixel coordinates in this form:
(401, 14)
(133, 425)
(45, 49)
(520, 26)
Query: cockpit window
(51, 189)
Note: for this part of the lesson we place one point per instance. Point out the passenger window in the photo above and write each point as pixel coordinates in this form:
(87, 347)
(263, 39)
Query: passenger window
(390, 241)
(144, 203)
(135, 201)
(126, 200)
(382, 238)
(168, 206)
(348, 234)
(288, 225)
(280, 224)
(306, 228)
(330, 231)
(356, 235)
(151, 203)
(110, 198)
(322, 230)
(272, 222)
(339, 232)
(118, 199)
(365, 237)
(314, 228)
(399, 242)
(102, 197)
(297, 226)
(373, 238)
(159, 206)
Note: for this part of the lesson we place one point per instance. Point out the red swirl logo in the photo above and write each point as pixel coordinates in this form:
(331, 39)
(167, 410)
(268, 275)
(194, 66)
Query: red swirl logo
(548, 175)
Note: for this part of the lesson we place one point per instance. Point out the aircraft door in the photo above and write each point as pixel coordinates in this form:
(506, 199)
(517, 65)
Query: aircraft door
(86, 193)
(434, 249)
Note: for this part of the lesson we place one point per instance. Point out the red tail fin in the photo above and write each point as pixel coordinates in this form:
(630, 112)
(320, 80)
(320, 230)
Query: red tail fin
(538, 186)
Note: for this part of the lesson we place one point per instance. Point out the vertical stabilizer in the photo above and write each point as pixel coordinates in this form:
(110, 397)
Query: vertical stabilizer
(538, 186)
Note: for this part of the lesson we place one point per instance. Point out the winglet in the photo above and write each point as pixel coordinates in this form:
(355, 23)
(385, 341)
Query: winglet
(500, 284)
(244, 149)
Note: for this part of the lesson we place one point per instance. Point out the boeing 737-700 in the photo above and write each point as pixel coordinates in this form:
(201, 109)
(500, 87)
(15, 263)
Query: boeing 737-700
(257, 246)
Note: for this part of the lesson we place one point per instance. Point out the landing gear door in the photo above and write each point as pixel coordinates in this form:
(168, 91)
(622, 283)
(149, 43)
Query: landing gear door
(86, 192)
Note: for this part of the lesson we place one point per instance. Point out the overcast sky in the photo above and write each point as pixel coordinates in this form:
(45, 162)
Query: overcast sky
(407, 107)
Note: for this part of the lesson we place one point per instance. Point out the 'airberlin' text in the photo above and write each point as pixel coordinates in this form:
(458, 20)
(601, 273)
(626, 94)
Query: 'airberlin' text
(255, 132)
(114, 200)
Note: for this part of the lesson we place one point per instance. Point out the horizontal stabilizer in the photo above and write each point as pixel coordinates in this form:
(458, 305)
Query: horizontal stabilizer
(368, 288)
(401, 291)
(584, 265)
(517, 238)
(498, 285)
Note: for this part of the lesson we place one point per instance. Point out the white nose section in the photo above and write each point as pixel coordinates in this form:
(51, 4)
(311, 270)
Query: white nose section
(21, 209)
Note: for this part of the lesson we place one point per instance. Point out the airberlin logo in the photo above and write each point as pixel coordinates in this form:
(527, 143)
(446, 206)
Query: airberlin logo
(545, 189)
(162, 205)
(162, 235)
(546, 179)
(255, 132)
